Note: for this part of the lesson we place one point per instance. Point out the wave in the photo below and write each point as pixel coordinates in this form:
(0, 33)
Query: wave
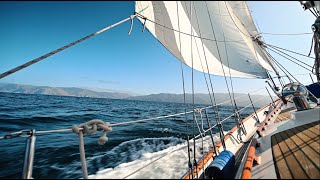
(132, 150)
(32, 120)
(162, 130)
(124, 153)
(154, 161)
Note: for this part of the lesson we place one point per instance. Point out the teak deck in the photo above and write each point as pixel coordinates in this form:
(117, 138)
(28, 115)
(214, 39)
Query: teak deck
(296, 152)
(283, 116)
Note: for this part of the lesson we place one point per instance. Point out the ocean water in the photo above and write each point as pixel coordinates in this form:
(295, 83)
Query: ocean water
(57, 154)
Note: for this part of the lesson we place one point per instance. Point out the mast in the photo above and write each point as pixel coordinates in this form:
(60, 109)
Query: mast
(314, 7)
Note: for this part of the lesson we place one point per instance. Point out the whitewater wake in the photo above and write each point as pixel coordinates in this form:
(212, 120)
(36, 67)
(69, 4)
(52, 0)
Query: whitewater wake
(154, 160)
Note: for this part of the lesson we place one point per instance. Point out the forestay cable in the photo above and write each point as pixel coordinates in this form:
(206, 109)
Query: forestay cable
(65, 47)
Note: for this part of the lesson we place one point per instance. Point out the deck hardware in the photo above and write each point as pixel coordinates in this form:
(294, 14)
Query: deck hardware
(270, 97)
(254, 108)
(29, 156)
(131, 25)
(96, 124)
(144, 24)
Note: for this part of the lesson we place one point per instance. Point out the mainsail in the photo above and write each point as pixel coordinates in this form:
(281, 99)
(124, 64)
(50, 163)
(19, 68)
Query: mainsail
(213, 37)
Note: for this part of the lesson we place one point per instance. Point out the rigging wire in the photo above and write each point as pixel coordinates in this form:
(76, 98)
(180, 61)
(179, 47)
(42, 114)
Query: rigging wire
(211, 134)
(173, 115)
(224, 74)
(243, 108)
(271, 48)
(239, 124)
(244, 26)
(209, 76)
(235, 22)
(204, 52)
(282, 83)
(254, 21)
(280, 66)
(184, 98)
(294, 59)
(274, 84)
(311, 45)
(206, 84)
(277, 73)
(209, 39)
(291, 60)
(313, 13)
(225, 46)
(193, 107)
(277, 49)
(317, 60)
(286, 34)
(288, 50)
(317, 12)
(237, 117)
(220, 125)
(295, 75)
(213, 39)
(216, 109)
(2, 75)
(205, 77)
(291, 75)
(202, 133)
(241, 22)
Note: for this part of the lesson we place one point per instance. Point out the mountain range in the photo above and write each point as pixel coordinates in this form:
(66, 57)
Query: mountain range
(200, 98)
(60, 91)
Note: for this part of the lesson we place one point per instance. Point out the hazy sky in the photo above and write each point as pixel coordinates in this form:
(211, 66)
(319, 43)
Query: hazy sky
(115, 60)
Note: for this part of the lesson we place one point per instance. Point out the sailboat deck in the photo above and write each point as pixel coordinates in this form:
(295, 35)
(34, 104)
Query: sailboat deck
(290, 146)
(283, 116)
(296, 152)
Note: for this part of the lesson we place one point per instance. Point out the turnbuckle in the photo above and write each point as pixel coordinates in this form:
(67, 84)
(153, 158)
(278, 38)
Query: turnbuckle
(22, 133)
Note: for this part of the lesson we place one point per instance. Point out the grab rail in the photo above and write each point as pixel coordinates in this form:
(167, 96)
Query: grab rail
(270, 115)
(251, 157)
(29, 156)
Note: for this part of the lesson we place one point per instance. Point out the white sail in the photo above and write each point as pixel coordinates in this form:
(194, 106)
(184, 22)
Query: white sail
(221, 35)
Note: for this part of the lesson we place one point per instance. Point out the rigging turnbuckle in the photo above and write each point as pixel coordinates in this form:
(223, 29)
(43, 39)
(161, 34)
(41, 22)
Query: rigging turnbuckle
(22, 133)
(316, 26)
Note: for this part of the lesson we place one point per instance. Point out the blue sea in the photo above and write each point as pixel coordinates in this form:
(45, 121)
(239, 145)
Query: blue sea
(57, 154)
